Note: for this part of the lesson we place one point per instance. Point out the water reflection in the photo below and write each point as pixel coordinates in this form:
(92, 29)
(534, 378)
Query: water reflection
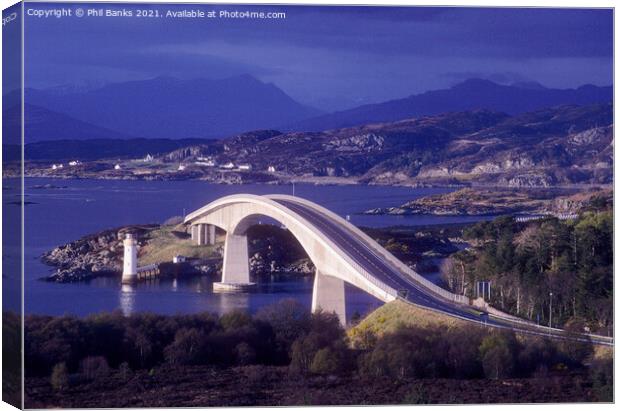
(127, 299)
(233, 301)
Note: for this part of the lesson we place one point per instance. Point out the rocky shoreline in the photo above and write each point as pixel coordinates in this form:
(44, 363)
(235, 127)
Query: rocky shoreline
(95, 255)
(482, 201)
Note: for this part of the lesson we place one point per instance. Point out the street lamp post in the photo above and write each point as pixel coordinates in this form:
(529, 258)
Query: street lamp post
(550, 303)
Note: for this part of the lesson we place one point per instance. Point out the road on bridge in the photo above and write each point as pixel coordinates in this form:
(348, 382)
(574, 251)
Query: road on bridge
(370, 260)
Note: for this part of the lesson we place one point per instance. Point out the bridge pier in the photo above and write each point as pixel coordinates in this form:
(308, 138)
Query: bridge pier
(203, 234)
(328, 295)
(130, 259)
(236, 267)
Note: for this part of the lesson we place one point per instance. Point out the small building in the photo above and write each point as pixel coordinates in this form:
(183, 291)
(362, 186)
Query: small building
(57, 166)
(148, 158)
(229, 166)
(117, 167)
(177, 259)
(181, 167)
(271, 169)
(205, 163)
(245, 167)
(74, 163)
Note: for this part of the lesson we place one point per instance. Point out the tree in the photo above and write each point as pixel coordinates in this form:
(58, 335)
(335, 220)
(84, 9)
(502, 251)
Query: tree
(498, 352)
(408, 352)
(188, 347)
(537, 354)
(303, 351)
(327, 361)
(572, 346)
(60, 377)
(93, 368)
(462, 355)
(244, 353)
(235, 319)
(601, 374)
(288, 319)
(140, 346)
(124, 371)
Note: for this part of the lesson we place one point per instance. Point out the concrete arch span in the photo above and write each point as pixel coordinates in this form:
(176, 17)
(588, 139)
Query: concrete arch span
(235, 214)
(340, 251)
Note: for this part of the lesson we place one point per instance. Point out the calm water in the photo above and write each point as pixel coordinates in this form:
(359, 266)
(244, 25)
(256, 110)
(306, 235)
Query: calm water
(57, 216)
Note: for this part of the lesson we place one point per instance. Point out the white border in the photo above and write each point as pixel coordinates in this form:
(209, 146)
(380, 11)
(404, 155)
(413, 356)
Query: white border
(479, 3)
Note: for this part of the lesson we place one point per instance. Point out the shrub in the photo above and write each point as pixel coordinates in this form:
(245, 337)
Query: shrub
(601, 374)
(327, 361)
(416, 395)
(537, 356)
(188, 347)
(302, 352)
(498, 354)
(289, 320)
(124, 371)
(406, 353)
(60, 377)
(93, 368)
(244, 353)
(364, 338)
(462, 356)
(235, 319)
(575, 351)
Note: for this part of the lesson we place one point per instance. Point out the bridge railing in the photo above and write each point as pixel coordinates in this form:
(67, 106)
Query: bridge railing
(406, 270)
(379, 284)
(373, 246)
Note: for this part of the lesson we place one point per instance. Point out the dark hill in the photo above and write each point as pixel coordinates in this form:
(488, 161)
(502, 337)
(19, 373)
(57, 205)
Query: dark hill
(469, 95)
(166, 107)
(42, 124)
(552, 146)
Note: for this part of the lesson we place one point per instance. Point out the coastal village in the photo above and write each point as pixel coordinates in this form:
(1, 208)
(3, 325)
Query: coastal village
(147, 164)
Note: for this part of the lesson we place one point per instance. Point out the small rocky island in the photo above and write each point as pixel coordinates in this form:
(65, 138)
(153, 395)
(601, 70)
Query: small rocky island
(101, 254)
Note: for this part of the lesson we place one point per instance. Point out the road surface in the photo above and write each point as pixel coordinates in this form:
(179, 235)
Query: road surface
(411, 291)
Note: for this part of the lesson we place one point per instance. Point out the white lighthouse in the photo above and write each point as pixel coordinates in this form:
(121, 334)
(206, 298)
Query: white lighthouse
(130, 259)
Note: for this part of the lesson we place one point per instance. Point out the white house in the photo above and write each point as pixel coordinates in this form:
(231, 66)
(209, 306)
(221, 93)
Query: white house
(148, 158)
(178, 259)
(229, 165)
(117, 167)
(181, 167)
(271, 169)
(206, 163)
(245, 167)
(74, 163)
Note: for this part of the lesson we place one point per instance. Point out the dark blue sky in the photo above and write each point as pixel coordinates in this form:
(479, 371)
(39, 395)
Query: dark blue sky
(329, 57)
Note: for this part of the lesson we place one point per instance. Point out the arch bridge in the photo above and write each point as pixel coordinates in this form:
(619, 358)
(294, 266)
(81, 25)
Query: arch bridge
(341, 253)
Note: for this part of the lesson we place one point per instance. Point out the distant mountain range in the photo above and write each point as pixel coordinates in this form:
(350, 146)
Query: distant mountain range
(471, 94)
(170, 108)
(166, 107)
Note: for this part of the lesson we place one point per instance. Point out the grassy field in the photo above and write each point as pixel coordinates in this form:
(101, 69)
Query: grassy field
(389, 317)
(168, 241)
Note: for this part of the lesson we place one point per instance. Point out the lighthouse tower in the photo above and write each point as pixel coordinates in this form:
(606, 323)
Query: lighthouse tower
(130, 259)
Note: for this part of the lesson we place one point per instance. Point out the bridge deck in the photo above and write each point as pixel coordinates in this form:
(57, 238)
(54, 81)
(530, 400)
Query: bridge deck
(370, 260)
(360, 252)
